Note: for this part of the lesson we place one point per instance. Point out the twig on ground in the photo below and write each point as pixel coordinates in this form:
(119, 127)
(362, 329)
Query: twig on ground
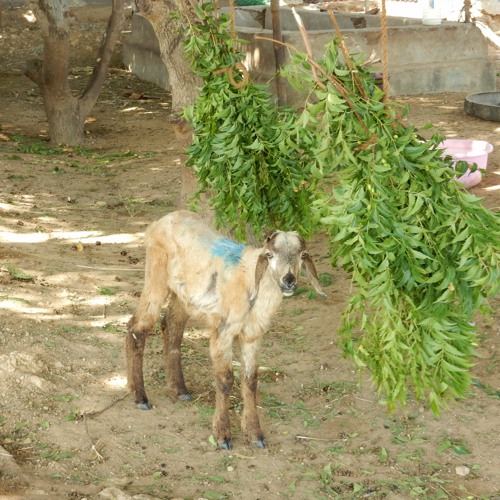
(92, 414)
(96, 268)
(309, 438)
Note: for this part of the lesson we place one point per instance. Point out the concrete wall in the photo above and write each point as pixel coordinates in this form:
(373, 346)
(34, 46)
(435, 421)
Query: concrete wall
(450, 57)
(141, 53)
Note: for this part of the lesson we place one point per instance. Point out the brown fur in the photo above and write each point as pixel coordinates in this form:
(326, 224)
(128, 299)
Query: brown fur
(194, 271)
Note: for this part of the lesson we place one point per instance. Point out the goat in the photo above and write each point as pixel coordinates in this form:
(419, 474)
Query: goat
(195, 271)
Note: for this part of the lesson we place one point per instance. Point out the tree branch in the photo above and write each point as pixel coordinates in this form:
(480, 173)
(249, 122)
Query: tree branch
(33, 70)
(111, 35)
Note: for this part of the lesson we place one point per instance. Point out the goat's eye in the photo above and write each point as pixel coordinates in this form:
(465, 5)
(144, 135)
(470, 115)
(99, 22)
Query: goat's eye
(269, 255)
(304, 255)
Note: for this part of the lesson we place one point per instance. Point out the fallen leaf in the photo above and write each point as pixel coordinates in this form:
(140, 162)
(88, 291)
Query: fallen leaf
(133, 95)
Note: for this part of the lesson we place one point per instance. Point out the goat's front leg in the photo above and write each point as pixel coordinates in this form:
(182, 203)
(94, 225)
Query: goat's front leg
(221, 346)
(172, 325)
(250, 420)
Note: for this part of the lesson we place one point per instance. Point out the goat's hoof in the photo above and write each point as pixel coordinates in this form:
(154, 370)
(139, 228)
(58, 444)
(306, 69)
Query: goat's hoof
(259, 443)
(185, 397)
(143, 406)
(225, 444)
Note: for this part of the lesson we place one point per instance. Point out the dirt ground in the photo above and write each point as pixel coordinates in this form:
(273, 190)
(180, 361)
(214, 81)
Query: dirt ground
(71, 269)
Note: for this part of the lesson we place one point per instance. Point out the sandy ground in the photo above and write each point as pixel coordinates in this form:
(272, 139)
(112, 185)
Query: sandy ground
(71, 268)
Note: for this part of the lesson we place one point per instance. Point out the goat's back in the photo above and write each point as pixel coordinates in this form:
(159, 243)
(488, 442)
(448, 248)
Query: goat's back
(208, 272)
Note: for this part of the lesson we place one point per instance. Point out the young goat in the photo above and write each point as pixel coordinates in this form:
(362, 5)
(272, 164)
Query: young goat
(194, 271)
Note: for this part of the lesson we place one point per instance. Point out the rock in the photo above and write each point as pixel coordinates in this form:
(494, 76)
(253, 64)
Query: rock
(113, 493)
(23, 362)
(11, 472)
(462, 470)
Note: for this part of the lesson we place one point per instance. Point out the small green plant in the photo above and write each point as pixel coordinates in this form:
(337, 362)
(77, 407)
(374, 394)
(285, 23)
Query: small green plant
(20, 426)
(205, 413)
(19, 274)
(44, 424)
(55, 455)
(111, 327)
(170, 451)
(133, 206)
(73, 415)
(66, 398)
(456, 446)
(275, 408)
(487, 389)
(37, 147)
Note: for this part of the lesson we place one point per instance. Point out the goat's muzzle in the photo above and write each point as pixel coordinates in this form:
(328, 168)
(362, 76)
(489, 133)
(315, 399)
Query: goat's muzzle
(288, 284)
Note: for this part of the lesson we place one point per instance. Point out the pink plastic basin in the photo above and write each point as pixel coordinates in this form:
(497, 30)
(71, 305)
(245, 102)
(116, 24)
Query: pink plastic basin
(470, 151)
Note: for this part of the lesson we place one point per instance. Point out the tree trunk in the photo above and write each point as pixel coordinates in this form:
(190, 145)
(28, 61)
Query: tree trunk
(168, 19)
(65, 112)
(51, 75)
(170, 28)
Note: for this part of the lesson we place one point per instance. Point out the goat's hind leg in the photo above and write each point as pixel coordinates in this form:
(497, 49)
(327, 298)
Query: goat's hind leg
(143, 322)
(172, 326)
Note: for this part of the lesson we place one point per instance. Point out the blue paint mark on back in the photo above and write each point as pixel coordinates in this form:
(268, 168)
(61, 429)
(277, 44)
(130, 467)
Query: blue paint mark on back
(227, 250)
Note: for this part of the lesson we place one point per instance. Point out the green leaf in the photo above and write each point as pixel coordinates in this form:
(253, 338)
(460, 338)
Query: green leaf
(216, 479)
(213, 495)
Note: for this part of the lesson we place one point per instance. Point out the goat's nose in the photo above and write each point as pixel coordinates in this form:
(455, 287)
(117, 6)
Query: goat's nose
(289, 280)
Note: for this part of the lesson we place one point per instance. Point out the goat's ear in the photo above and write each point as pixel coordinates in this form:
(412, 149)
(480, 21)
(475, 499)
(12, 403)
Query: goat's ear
(260, 269)
(312, 274)
(269, 235)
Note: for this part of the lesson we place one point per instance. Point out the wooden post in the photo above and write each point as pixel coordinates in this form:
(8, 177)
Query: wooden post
(385, 52)
(467, 11)
(279, 51)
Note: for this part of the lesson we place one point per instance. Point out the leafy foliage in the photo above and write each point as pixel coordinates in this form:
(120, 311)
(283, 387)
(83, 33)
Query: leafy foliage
(423, 253)
(243, 153)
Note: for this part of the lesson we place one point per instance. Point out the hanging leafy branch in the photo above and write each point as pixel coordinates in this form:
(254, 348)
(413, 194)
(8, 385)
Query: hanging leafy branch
(423, 253)
(243, 152)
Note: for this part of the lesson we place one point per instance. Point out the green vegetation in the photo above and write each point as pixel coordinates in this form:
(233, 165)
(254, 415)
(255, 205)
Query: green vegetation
(19, 275)
(422, 252)
(243, 151)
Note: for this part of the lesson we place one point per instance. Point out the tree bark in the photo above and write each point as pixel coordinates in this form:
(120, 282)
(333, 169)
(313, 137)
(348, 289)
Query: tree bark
(170, 29)
(168, 19)
(65, 112)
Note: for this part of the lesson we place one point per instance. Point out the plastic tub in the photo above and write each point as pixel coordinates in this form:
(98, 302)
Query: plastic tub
(470, 151)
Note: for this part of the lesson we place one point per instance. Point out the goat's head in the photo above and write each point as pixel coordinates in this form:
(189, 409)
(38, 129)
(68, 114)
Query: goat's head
(284, 255)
